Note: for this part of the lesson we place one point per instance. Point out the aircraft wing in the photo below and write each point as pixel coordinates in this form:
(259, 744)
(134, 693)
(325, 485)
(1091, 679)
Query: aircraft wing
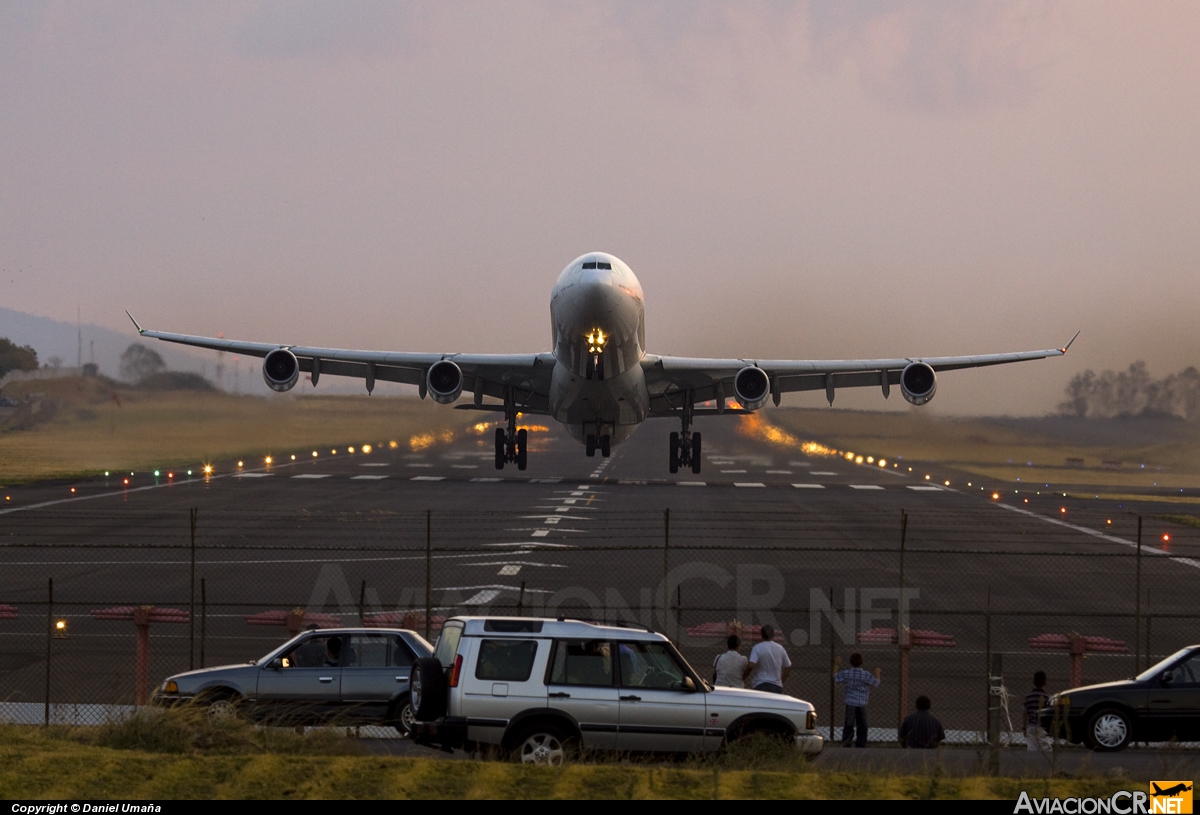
(491, 374)
(669, 379)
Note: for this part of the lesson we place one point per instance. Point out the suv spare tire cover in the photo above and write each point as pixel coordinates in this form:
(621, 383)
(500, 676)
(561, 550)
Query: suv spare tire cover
(428, 690)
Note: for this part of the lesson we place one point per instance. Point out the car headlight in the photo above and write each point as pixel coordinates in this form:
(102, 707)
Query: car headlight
(810, 721)
(170, 686)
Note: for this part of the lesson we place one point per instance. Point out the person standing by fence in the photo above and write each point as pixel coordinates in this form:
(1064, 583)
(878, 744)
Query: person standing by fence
(922, 730)
(769, 663)
(729, 667)
(1036, 737)
(858, 684)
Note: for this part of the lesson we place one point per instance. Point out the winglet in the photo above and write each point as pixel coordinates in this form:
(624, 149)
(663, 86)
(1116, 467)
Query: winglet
(1063, 349)
(141, 330)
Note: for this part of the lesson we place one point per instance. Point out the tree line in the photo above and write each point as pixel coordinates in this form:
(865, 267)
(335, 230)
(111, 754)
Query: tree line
(1133, 393)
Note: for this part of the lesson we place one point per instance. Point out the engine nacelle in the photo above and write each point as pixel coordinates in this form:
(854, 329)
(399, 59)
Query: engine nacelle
(752, 387)
(281, 369)
(444, 381)
(918, 383)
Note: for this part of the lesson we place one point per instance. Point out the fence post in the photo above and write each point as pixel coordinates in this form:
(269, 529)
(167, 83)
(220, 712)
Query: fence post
(987, 663)
(666, 606)
(362, 601)
(203, 619)
(1137, 637)
(901, 634)
(996, 675)
(192, 594)
(521, 601)
(832, 664)
(428, 573)
(49, 636)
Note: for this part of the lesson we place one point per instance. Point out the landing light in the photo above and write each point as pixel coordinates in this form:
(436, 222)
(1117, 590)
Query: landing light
(596, 341)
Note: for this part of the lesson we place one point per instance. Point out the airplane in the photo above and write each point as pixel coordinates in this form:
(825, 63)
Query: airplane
(1170, 792)
(598, 380)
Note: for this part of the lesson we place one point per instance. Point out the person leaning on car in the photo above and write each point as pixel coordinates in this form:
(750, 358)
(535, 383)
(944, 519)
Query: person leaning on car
(769, 663)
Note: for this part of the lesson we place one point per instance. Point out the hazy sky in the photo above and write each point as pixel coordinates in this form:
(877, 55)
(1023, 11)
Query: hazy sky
(788, 180)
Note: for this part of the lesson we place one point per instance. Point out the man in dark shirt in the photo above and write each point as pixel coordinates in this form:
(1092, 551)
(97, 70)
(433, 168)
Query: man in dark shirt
(921, 730)
(1036, 737)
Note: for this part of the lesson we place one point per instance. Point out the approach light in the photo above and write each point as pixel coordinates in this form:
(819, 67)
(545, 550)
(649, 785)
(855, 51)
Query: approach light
(351, 449)
(947, 483)
(189, 472)
(926, 478)
(1062, 509)
(267, 460)
(858, 459)
(8, 498)
(366, 449)
(293, 456)
(995, 496)
(72, 489)
(333, 452)
(968, 483)
(870, 459)
(882, 463)
(393, 444)
(170, 475)
(60, 629)
(127, 482)
(208, 469)
(239, 464)
(1027, 500)
(1166, 537)
(314, 453)
(106, 473)
(156, 471)
(849, 456)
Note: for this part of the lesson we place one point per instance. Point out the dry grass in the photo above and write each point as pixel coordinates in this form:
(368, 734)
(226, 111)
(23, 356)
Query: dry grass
(68, 764)
(1032, 450)
(85, 431)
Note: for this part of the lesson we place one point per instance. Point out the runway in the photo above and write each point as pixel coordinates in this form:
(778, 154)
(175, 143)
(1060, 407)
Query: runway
(765, 533)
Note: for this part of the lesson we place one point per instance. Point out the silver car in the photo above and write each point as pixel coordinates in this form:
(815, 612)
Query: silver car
(349, 676)
(539, 688)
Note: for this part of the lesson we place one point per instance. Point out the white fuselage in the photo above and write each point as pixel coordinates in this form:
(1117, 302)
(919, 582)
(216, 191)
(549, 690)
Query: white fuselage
(598, 331)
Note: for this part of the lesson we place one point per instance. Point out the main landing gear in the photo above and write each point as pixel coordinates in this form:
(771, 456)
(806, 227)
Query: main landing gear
(685, 445)
(512, 445)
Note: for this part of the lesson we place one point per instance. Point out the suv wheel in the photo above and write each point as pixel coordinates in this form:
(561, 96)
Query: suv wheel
(1109, 730)
(427, 693)
(547, 745)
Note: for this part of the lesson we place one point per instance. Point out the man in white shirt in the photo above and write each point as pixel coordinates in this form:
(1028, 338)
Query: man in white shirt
(769, 663)
(729, 667)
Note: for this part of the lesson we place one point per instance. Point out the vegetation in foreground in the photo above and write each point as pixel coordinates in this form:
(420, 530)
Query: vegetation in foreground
(178, 754)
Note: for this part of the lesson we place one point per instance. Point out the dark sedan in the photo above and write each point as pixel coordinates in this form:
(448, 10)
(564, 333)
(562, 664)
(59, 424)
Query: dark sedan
(1159, 704)
(344, 675)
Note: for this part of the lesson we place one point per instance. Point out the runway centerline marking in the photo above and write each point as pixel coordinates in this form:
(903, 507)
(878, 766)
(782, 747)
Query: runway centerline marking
(486, 480)
(428, 478)
(809, 486)
(748, 484)
(252, 475)
(865, 487)
(368, 477)
(691, 483)
(924, 488)
(822, 472)
(312, 475)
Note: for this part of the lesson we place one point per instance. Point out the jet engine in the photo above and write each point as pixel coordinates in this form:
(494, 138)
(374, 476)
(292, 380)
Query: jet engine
(752, 387)
(444, 381)
(918, 383)
(281, 369)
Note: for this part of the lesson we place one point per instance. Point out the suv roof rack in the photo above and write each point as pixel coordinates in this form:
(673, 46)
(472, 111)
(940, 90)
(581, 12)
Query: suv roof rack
(611, 623)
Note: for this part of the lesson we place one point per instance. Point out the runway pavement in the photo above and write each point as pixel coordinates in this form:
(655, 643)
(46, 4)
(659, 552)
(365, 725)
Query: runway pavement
(764, 533)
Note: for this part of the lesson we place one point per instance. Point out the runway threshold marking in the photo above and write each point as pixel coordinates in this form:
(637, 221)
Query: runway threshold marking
(1195, 564)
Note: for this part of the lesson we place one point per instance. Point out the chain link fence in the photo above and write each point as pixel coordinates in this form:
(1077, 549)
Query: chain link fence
(98, 607)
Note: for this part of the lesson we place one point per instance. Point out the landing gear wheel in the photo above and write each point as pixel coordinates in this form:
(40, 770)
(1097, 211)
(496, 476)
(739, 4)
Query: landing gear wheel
(674, 453)
(522, 451)
(591, 445)
(1109, 731)
(696, 453)
(500, 451)
(545, 745)
(605, 445)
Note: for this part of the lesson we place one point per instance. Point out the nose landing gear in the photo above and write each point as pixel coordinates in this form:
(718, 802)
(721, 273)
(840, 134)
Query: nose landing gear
(598, 441)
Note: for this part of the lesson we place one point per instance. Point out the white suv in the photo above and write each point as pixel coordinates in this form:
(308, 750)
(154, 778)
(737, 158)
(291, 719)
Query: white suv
(541, 687)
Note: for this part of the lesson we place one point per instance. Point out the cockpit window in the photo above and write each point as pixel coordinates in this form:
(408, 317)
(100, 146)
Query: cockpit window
(591, 265)
(602, 266)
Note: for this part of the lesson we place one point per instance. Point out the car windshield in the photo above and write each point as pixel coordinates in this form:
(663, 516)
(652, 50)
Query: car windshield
(1155, 670)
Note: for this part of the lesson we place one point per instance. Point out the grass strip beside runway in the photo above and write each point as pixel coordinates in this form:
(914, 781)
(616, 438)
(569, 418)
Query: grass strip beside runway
(65, 765)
